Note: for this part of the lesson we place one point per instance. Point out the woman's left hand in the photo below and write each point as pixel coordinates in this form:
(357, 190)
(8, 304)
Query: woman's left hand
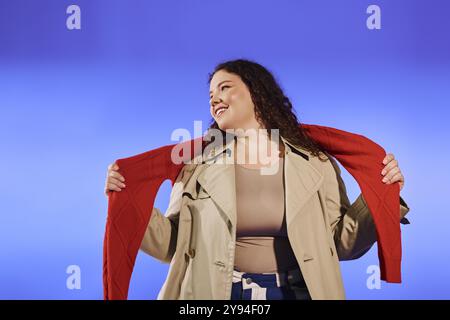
(391, 171)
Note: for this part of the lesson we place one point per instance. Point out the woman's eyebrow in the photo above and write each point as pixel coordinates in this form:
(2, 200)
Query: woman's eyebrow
(219, 85)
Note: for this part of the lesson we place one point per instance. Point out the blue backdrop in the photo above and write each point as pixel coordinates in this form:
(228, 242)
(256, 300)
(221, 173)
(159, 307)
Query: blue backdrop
(73, 101)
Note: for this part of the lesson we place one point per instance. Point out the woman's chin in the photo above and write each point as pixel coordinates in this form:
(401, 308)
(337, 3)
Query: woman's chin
(224, 125)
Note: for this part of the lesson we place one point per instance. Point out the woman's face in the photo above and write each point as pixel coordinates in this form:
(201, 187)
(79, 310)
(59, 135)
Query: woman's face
(229, 92)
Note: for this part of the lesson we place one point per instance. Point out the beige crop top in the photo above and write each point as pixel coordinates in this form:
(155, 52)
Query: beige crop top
(262, 244)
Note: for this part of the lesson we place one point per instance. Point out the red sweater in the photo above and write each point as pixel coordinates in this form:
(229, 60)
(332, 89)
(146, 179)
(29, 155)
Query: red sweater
(129, 210)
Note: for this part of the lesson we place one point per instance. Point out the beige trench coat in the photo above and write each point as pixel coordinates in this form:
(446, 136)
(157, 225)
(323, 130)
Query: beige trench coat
(197, 234)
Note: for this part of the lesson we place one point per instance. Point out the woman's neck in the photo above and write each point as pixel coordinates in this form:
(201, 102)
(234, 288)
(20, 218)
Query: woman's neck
(258, 148)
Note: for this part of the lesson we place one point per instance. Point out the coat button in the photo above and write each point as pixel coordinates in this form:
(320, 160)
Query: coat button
(248, 280)
(191, 253)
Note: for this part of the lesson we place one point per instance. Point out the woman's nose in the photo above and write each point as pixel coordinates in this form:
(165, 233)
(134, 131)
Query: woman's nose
(215, 101)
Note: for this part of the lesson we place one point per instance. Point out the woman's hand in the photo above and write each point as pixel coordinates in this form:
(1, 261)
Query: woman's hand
(114, 180)
(391, 171)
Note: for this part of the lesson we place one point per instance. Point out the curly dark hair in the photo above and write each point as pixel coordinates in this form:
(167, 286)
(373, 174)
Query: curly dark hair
(272, 108)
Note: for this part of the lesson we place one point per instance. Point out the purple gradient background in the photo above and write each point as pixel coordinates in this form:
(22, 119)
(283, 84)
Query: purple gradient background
(71, 102)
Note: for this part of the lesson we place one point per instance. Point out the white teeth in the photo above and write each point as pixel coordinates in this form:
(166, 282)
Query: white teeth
(220, 111)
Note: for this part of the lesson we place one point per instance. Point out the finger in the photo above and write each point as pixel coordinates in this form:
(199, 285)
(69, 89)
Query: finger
(391, 174)
(388, 158)
(116, 182)
(113, 187)
(391, 165)
(113, 166)
(398, 177)
(116, 175)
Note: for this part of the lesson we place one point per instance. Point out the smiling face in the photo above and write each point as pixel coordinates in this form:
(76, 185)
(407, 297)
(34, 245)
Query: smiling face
(231, 104)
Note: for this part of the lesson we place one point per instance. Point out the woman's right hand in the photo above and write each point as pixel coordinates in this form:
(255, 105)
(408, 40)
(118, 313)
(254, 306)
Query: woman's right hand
(114, 180)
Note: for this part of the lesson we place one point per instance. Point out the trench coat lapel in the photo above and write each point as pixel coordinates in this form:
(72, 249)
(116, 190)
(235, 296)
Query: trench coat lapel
(302, 181)
(218, 179)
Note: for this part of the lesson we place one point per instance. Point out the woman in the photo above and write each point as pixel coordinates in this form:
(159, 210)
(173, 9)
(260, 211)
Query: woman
(271, 229)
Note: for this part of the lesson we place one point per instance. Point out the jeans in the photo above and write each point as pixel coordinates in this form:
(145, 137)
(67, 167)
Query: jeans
(288, 285)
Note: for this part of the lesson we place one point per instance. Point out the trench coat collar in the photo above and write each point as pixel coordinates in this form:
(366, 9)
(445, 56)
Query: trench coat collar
(302, 180)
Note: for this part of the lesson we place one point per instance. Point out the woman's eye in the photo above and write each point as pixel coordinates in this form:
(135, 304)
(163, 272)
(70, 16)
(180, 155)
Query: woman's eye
(225, 87)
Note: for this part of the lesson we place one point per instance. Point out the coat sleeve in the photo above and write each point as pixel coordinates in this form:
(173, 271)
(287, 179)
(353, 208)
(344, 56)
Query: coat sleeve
(352, 225)
(160, 237)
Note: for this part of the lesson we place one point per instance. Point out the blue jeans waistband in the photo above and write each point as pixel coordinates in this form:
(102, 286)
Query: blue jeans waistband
(278, 279)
